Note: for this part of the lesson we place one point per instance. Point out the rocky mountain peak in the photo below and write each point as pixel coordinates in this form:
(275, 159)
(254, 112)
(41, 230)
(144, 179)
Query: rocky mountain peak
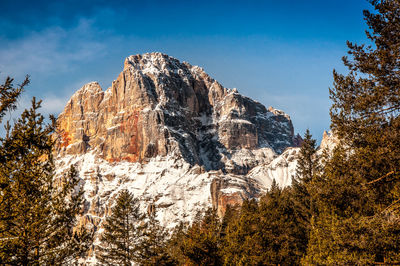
(158, 105)
(155, 63)
(175, 137)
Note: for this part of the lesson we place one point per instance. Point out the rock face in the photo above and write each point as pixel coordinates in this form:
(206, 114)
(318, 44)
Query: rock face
(329, 141)
(175, 137)
(159, 105)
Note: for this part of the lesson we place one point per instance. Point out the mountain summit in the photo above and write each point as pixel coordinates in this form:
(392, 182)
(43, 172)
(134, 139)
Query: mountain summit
(175, 137)
(158, 106)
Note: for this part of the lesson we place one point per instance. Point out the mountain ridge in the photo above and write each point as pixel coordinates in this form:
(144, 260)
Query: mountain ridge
(176, 138)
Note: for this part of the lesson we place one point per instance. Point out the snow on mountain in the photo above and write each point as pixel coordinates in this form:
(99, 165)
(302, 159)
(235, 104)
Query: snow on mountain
(176, 138)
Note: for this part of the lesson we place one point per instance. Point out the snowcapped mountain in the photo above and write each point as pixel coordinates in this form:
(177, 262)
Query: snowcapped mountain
(175, 137)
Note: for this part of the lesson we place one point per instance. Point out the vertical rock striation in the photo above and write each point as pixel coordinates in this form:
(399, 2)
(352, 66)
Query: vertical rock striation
(173, 136)
(159, 105)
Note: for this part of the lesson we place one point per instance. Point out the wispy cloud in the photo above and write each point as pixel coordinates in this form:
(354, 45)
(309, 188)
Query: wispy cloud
(54, 103)
(50, 50)
(50, 56)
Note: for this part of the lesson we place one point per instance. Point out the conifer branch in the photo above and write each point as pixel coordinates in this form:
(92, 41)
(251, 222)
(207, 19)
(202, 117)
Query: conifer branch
(380, 178)
(391, 206)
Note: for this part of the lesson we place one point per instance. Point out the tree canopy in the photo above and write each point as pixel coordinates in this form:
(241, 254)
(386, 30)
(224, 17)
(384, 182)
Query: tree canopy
(38, 212)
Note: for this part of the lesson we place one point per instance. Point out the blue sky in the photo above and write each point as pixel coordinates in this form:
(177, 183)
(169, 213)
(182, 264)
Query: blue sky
(280, 53)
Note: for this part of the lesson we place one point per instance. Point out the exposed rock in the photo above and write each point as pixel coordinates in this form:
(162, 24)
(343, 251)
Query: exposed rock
(159, 105)
(329, 141)
(281, 169)
(176, 138)
(232, 190)
(151, 209)
(297, 140)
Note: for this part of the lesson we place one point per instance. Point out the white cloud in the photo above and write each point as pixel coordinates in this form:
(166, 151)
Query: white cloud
(53, 104)
(51, 50)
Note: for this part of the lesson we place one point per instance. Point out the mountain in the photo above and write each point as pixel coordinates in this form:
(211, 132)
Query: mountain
(175, 137)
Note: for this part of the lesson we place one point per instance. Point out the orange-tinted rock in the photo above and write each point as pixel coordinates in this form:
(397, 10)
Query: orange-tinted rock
(231, 199)
(223, 193)
(329, 141)
(159, 106)
(204, 136)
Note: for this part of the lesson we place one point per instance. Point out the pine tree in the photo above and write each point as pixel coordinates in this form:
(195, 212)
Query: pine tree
(366, 101)
(335, 240)
(303, 189)
(242, 244)
(175, 241)
(152, 247)
(264, 233)
(283, 235)
(308, 166)
(201, 244)
(359, 193)
(8, 99)
(10, 94)
(230, 215)
(37, 216)
(335, 233)
(121, 231)
(365, 110)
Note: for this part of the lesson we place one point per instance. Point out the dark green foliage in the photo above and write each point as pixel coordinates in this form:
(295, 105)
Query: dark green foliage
(265, 233)
(9, 95)
(365, 110)
(242, 243)
(230, 215)
(200, 244)
(257, 233)
(358, 193)
(37, 212)
(152, 248)
(121, 232)
(304, 188)
(175, 243)
(308, 167)
(8, 99)
(283, 235)
(354, 240)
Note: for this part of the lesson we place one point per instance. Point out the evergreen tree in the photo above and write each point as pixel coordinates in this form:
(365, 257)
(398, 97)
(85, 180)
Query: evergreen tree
(121, 232)
(330, 240)
(333, 236)
(9, 95)
(283, 235)
(307, 169)
(152, 247)
(201, 243)
(365, 110)
(242, 244)
(265, 233)
(175, 243)
(8, 99)
(303, 189)
(37, 216)
(230, 215)
(359, 193)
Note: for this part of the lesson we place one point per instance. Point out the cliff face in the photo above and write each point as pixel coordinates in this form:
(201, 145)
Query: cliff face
(175, 137)
(159, 105)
